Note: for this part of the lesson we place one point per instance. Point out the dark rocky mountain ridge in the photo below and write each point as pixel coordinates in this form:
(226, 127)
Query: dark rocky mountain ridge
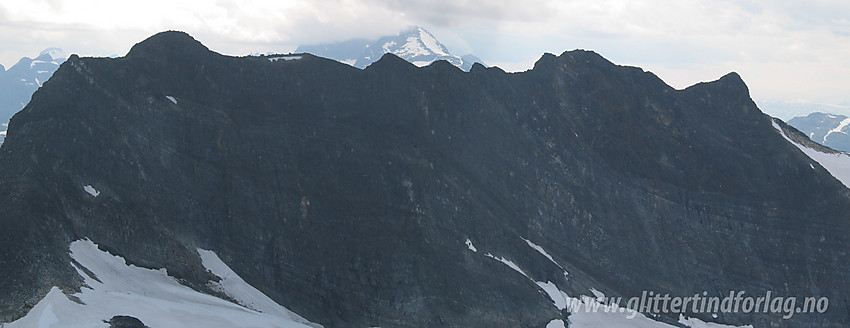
(347, 195)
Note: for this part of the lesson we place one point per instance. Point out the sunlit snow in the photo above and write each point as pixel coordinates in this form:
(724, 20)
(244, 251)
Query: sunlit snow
(431, 43)
(586, 311)
(387, 46)
(558, 297)
(541, 251)
(697, 323)
(89, 189)
(37, 62)
(470, 245)
(422, 45)
(837, 129)
(158, 300)
(837, 164)
(285, 58)
(507, 262)
(599, 295)
(246, 295)
(555, 324)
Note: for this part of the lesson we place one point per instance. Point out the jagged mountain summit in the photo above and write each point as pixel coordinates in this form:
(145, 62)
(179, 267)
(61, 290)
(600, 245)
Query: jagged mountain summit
(293, 190)
(22, 79)
(831, 130)
(415, 45)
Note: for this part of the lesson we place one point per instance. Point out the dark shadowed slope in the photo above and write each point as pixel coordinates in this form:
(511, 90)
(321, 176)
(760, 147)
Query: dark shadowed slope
(351, 196)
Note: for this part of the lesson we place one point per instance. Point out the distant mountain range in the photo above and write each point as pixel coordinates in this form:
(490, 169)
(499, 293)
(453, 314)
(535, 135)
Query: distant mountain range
(415, 45)
(831, 130)
(787, 109)
(19, 82)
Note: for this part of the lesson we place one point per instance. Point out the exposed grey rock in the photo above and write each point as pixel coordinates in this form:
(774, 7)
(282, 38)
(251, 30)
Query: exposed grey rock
(123, 321)
(347, 195)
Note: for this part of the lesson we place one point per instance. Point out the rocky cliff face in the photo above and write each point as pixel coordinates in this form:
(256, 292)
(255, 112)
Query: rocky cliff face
(353, 197)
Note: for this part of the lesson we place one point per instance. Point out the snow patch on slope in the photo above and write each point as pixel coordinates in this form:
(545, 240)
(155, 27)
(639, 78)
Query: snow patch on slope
(837, 129)
(38, 62)
(596, 311)
(413, 48)
(541, 251)
(837, 164)
(387, 46)
(114, 287)
(246, 295)
(599, 295)
(615, 317)
(697, 323)
(285, 58)
(431, 43)
(558, 297)
(507, 262)
(470, 245)
(91, 191)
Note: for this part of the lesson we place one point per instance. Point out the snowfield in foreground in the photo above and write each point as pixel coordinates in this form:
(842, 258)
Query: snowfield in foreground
(158, 300)
(114, 288)
(591, 312)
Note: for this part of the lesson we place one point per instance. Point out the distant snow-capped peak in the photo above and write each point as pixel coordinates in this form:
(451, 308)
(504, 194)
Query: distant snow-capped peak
(22, 79)
(419, 42)
(56, 54)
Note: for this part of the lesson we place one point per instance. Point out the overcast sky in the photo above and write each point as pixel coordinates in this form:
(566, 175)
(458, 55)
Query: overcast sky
(785, 50)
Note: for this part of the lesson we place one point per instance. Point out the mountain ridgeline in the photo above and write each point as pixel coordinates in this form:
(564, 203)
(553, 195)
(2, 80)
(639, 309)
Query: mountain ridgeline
(353, 196)
(415, 45)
